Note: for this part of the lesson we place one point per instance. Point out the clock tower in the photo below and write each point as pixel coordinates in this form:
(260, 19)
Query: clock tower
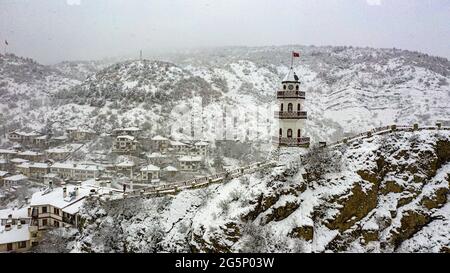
(291, 115)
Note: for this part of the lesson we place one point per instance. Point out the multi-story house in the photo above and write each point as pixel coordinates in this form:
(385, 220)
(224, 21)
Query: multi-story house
(125, 144)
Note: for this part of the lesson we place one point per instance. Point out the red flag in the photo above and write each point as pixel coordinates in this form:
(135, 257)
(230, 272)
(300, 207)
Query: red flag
(295, 54)
(6, 42)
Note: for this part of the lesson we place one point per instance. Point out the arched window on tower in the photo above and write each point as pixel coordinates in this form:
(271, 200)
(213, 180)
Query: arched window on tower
(284, 86)
(290, 107)
(296, 87)
(281, 132)
(298, 133)
(289, 133)
(298, 107)
(281, 108)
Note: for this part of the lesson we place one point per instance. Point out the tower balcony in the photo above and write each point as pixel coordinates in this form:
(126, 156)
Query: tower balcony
(290, 94)
(291, 115)
(291, 142)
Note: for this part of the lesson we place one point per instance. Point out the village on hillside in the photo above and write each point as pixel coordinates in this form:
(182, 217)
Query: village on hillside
(48, 165)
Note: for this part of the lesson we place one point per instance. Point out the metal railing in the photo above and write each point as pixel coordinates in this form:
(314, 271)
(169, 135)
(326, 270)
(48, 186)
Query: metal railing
(291, 115)
(290, 94)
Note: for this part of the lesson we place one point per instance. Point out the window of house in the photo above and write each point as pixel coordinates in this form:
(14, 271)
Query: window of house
(56, 211)
(44, 222)
(23, 244)
(298, 133)
(296, 87)
(290, 107)
(284, 87)
(55, 223)
(281, 108)
(44, 209)
(289, 133)
(281, 132)
(298, 107)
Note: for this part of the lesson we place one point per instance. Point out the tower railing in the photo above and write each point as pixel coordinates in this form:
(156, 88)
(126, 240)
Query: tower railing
(291, 115)
(294, 141)
(290, 94)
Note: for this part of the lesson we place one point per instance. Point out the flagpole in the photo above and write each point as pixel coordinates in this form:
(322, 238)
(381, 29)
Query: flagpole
(292, 58)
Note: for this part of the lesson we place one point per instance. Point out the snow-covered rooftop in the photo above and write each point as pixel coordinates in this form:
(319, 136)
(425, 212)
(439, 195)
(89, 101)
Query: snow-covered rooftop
(177, 143)
(170, 169)
(150, 168)
(156, 155)
(54, 197)
(30, 153)
(76, 166)
(39, 165)
(126, 137)
(158, 137)
(188, 158)
(15, 178)
(18, 160)
(15, 213)
(7, 151)
(135, 129)
(16, 234)
(3, 173)
(57, 150)
(201, 143)
(291, 76)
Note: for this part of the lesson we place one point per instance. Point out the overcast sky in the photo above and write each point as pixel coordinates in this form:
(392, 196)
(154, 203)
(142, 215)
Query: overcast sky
(54, 30)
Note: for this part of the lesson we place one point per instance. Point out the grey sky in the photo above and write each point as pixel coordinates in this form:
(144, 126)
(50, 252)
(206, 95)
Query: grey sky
(56, 30)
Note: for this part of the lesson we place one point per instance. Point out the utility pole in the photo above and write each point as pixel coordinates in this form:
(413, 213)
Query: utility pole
(140, 55)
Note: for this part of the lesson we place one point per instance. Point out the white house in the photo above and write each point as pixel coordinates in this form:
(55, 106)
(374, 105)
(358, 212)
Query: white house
(57, 207)
(190, 163)
(150, 173)
(160, 143)
(76, 171)
(125, 144)
(14, 180)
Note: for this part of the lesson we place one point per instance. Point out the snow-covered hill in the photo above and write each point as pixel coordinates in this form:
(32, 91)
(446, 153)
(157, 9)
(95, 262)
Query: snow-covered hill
(229, 92)
(388, 193)
(26, 85)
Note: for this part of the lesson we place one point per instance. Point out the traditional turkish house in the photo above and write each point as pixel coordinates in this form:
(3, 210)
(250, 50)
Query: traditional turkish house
(201, 149)
(126, 168)
(31, 156)
(7, 154)
(57, 154)
(16, 236)
(169, 172)
(25, 138)
(73, 171)
(14, 180)
(130, 131)
(38, 170)
(80, 134)
(125, 144)
(58, 207)
(160, 144)
(150, 173)
(178, 147)
(3, 174)
(158, 158)
(190, 163)
(41, 141)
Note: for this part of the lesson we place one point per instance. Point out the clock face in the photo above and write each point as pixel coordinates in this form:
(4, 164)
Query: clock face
(291, 87)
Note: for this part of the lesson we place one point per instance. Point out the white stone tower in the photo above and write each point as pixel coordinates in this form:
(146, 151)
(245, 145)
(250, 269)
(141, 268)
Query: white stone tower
(291, 115)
